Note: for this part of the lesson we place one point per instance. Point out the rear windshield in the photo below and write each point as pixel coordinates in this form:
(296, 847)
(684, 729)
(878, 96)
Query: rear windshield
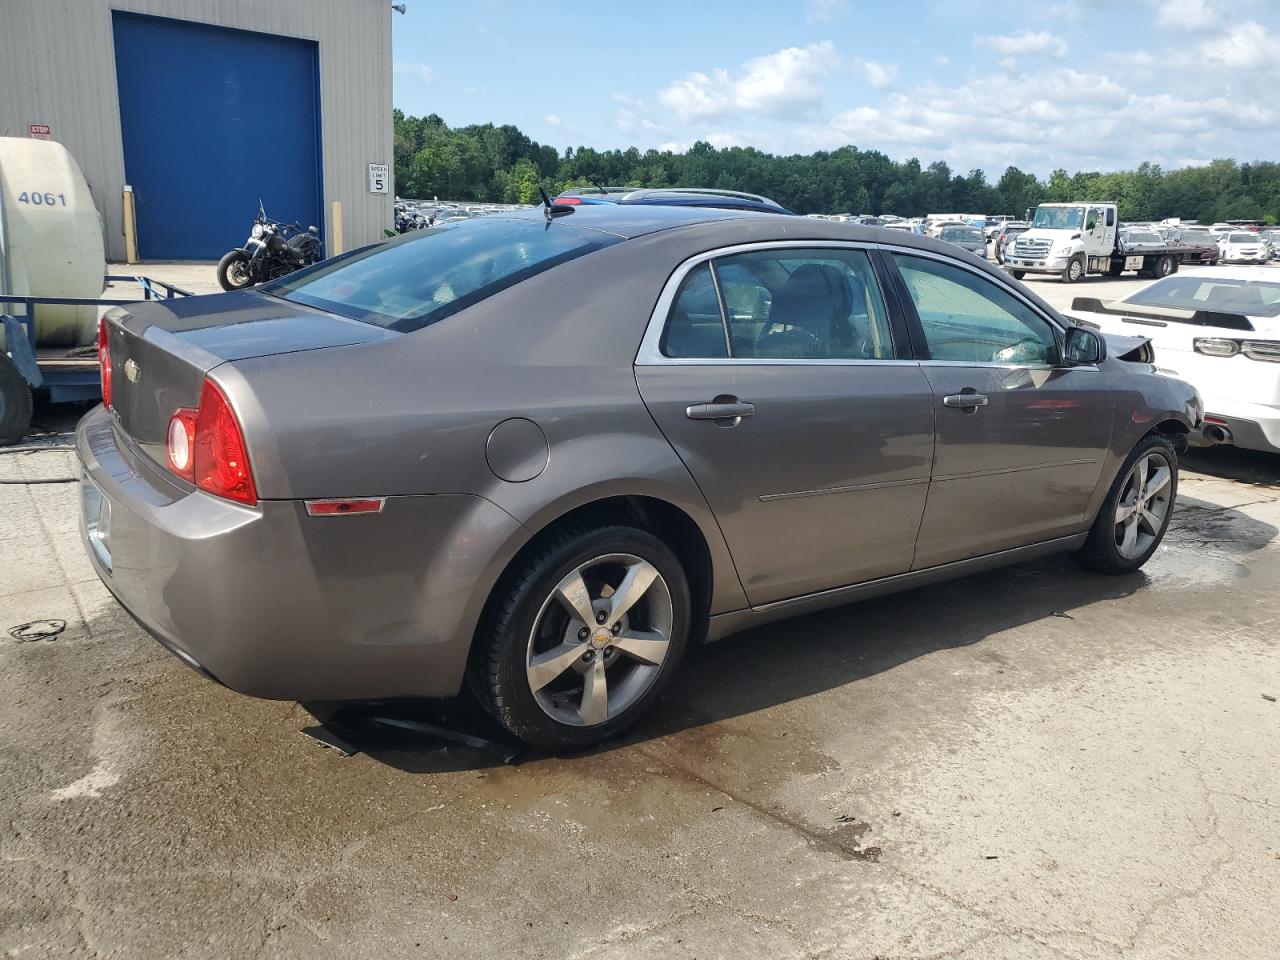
(427, 275)
(1254, 298)
(1243, 238)
(961, 233)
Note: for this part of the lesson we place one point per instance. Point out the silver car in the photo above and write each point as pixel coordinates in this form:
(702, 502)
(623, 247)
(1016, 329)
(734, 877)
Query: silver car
(545, 452)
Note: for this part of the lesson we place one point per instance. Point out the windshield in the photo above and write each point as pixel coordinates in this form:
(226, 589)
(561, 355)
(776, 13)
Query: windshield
(427, 275)
(1197, 236)
(1243, 238)
(962, 234)
(1059, 218)
(1255, 298)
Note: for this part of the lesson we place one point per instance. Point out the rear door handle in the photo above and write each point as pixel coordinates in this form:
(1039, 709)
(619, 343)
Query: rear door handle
(720, 410)
(965, 401)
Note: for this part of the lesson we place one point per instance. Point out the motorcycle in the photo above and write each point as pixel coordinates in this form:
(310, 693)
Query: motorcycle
(273, 250)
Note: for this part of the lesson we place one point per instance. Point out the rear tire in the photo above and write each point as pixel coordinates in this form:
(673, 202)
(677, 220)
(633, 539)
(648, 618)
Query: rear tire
(540, 669)
(1135, 515)
(1163, 267)
(1115, 269)
(233, 271)
(15, 403)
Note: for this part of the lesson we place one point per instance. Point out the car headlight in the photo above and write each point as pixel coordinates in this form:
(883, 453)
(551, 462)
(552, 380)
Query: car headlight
(256, 232)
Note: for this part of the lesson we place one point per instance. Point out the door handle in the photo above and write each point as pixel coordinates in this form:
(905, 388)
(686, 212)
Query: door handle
(965, 401)
(720, 410)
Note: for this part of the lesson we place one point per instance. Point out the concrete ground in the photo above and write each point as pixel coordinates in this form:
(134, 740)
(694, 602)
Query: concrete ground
(1034, 762)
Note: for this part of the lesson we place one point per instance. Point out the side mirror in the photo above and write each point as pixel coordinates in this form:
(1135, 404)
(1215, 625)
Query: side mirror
(314, 231)
(1083, 346)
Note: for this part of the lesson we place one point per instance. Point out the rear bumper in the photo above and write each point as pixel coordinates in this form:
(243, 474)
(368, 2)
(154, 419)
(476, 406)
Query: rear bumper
(276, 604)
(1253, 426)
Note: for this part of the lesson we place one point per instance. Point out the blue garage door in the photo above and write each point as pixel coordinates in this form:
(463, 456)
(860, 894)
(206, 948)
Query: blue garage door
(212, 120)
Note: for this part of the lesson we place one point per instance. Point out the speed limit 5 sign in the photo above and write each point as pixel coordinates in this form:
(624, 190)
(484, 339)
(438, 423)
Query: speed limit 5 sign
(377, 178)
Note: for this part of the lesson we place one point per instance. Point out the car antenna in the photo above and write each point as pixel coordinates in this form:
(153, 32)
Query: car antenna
(553, 209)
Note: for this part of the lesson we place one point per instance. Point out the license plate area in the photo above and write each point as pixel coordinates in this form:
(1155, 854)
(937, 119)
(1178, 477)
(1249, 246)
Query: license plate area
(96, 510)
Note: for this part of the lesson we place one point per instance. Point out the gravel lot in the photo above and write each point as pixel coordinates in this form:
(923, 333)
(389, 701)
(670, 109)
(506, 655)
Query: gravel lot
(1035, 762)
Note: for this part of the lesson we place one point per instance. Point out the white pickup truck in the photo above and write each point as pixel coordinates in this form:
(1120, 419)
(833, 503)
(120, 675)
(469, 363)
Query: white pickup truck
(1074, 240)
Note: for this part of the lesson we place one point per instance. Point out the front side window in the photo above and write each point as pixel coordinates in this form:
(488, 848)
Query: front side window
(968, 319)
(427, 275)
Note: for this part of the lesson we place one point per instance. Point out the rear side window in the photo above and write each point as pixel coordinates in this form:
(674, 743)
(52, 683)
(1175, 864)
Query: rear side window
(793, 304)
(695, 328)
(427, 275)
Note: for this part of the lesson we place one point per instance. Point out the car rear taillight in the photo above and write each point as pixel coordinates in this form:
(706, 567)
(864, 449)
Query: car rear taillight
(181, 444)
(219, 456)
(104, 361)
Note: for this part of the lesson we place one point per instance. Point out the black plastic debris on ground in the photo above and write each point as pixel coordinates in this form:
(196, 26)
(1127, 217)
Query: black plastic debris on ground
(378, 726)
(37, 630)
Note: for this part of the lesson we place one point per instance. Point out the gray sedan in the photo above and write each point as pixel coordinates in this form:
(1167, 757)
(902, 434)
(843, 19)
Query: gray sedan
(545, 453)
(966, 238)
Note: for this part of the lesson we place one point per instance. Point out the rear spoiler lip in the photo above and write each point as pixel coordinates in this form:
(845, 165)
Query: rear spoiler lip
(1200, 318)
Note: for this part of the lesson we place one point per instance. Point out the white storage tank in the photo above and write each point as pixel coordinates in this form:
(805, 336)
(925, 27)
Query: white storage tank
(50, 238)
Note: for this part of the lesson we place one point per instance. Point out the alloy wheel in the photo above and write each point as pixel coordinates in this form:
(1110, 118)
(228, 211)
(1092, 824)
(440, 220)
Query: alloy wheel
(1076, 270)
(1143, 507)
(599, 640)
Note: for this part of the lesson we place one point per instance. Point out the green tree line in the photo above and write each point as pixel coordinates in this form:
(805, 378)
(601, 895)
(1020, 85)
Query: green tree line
(499, 164)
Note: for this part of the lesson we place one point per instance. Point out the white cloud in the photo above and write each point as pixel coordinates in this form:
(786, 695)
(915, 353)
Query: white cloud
(1013, 44)
(553, 120)
(781, 84)
(1055, 117)
(420, 70)
(879, 75)
(823, 11)
(722, 138)
(1187, 14)
(1243, 47)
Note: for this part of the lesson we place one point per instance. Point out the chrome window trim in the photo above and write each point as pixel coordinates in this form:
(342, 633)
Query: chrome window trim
(650, 352)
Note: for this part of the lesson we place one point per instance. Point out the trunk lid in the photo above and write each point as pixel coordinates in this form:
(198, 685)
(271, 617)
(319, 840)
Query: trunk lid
(1173, 334)
(161, 350)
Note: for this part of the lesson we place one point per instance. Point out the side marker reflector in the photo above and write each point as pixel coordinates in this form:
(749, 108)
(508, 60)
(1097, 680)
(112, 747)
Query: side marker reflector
(343, 507)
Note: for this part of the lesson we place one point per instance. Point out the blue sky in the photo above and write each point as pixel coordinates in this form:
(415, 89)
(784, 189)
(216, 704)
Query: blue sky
(1081, 84)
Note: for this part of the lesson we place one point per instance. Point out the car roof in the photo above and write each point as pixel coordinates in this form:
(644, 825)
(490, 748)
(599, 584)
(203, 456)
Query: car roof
(630, 221)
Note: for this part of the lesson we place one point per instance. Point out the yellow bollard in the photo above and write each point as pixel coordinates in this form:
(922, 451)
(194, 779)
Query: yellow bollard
(130, 226)
(335, 238)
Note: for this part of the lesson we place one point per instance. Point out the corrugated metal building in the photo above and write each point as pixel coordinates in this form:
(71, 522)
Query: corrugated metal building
(205, 106)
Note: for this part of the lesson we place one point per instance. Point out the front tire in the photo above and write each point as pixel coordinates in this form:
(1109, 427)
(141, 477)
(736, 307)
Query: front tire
(1017, 274)
(233, 271)
(1073, 272)
(1135, 515)
(581, 638)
